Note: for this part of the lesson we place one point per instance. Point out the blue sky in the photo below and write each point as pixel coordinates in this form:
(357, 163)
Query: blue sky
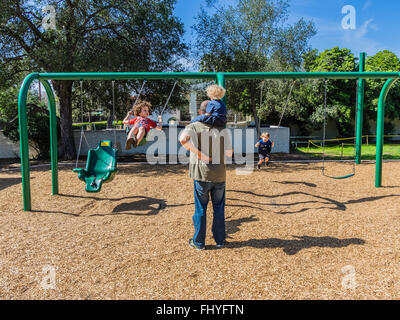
(377, 23)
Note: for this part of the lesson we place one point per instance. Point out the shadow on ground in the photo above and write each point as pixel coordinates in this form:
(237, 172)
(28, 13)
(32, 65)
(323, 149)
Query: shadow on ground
(8, 182)
(292, 247)
(141, 206)
(306, 184)
(326, 203)
(270, 201)
(233, 226)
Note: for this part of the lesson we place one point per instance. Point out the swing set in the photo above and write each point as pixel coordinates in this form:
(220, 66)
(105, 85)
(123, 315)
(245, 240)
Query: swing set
(324, 140)
(104, 151)
(101, 165)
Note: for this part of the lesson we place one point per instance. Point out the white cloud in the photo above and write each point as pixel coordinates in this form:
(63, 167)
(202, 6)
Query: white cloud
(358, 40)
(363, 31)
(367, 4)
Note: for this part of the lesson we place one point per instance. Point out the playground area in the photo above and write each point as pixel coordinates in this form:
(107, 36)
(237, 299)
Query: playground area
(292, 234)
(104, 104)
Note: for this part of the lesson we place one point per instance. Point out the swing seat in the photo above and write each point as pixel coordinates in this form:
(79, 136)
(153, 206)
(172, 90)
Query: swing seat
(101, 166)
(344, 177)
(142, 142)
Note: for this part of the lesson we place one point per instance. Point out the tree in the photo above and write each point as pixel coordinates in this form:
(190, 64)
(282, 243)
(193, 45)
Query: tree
(98, 96)
(381, 62)
(38, 121)
(341, 95)
(251, 36)
(90, 36)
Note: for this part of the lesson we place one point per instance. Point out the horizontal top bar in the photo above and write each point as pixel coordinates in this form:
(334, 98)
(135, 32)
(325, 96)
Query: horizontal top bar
(127, 75)
(213, 75)
(311, 75)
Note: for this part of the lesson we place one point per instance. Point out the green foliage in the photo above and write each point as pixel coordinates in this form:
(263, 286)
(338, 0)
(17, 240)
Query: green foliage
(341, 94)
(306, 104)
(97, 96)
(332, 60)
(382, 61)
(341, 102)
(251, 36)
(92, 36)
(8, 104)
(38, 121)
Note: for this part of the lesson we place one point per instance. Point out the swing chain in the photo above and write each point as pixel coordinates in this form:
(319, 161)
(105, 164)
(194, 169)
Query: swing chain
(82, 131)
(113, 116)
(169, 97)
(324, 131)
(140, 91)
(287, 101)
(324, 135)
(81, 96)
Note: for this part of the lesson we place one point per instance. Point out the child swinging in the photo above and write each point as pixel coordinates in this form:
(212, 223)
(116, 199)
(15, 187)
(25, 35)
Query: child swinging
(141, 124)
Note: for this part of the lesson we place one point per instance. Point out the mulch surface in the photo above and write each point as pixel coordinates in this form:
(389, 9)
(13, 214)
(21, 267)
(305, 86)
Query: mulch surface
(292, 234)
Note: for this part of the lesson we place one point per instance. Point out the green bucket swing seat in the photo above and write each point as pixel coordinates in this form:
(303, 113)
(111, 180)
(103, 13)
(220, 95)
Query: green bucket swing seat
(101, 166)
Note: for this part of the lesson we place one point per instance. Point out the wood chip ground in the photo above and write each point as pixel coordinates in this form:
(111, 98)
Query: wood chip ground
(292, 233)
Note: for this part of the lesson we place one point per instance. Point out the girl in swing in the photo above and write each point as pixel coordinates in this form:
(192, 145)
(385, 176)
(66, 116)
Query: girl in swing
(141, 123)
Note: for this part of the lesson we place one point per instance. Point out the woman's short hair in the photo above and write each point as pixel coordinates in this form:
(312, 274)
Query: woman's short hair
(215, 92)
(137, 109)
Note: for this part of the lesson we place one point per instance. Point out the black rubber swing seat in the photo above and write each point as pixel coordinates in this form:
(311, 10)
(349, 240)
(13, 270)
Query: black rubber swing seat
(101, 166)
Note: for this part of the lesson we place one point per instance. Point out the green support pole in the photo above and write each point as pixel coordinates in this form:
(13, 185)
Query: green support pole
(24, 143)
(53, 136)
(23, 140)
(380, 131)
(360, 109)
(221, 82)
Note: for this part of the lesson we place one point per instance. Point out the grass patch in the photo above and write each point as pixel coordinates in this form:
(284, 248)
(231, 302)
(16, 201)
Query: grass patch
(336, 152)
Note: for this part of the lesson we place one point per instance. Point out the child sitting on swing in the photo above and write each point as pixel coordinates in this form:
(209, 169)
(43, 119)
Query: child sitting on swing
(216, 108)
(141, 124)
(264, 149)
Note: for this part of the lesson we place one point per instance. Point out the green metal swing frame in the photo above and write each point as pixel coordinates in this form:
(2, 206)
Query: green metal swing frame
(219, 78)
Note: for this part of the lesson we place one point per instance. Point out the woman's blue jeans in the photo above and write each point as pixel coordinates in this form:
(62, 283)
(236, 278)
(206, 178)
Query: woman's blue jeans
(202, 192)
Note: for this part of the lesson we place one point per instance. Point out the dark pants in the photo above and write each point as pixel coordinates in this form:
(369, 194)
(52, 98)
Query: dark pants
(202, 192)
(264, 155)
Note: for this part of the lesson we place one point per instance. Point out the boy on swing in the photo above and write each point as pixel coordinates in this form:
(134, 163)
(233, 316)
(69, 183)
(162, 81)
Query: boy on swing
(264, 146)
(141, 124)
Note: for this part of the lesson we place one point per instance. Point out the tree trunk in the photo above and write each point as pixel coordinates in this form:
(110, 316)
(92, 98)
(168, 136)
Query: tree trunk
(67, 149)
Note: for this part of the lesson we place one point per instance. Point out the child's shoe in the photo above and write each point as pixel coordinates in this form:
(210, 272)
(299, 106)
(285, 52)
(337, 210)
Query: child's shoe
(129, 143)
(258, 166)
(134, 143)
